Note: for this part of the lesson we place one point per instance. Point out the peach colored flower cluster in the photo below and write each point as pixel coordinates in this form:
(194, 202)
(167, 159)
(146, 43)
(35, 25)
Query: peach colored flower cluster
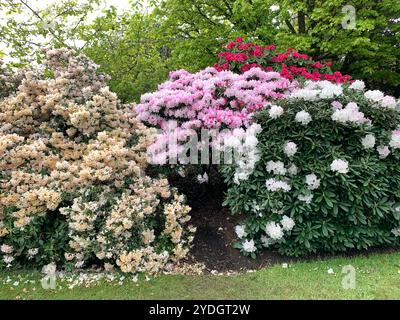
(70, 150)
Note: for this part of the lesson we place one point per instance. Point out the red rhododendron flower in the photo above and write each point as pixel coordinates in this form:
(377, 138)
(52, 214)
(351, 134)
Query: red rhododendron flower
(240, 57)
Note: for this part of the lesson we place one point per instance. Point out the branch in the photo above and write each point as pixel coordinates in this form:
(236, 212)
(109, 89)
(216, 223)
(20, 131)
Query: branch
(35, 13)
(290, 26)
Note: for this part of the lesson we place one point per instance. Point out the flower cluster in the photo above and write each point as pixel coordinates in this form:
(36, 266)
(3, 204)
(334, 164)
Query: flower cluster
(211, 99)
(240, 148)
(72, 185)
(241, 57)
(207, 100)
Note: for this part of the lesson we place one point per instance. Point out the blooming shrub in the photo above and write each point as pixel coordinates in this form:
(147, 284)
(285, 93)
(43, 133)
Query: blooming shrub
(328, 174)
(208, 100)
(240, 57)
(73, 189)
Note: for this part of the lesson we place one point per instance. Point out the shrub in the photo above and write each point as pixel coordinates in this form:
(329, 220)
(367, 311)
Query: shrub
(241, 57)
(73, 189)
(207, 100)
(327, 178)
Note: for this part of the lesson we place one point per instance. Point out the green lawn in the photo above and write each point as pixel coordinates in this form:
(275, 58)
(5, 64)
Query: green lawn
(377, 277)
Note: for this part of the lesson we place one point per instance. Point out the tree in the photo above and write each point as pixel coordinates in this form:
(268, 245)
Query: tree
(369, 50)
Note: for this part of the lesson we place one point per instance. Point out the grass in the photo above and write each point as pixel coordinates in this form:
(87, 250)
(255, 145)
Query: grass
(377, 277)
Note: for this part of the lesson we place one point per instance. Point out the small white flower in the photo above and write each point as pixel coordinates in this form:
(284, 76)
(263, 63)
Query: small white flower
(277, 167)
(388, 102)
(287, 223)
(292, 170)
(396, 232)
(241, 231)
(303, 117)
(277, 185)
(275, 111)
(339, 165)
(8, 259)
(312, 181)
(383, 151)
(274, 230)
(274, 8)
(330, 271)
(395, 139)
(266, 242)
(290, 149)
(250, 141)
(5, 248)
(374, 95)
(368, 141)
(249, 246)
(358, 85)
(306, 198)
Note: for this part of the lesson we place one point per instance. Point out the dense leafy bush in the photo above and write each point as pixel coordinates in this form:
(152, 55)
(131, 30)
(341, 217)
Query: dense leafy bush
(73, 189)
(328, 175)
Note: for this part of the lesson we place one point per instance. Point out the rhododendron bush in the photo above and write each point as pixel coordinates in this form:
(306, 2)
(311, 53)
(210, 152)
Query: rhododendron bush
(241, 57)
(207, 100)
(73, 189)
(327, 177)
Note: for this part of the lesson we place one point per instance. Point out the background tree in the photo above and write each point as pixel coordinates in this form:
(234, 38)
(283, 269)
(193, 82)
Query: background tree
(139, 46)
(368, 51)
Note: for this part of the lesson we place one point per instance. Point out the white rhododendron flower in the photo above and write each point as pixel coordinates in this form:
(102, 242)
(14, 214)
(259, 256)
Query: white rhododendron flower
(383, 151)
(5, 248)
(368, 141)
(275, 111)
(292, 169)
(396, 232)
(330, 90)
(266, 241)
(303, 117)
(318, 89)
(274, 230)
(374, 95)
(251, 141)
(395, 139)
(350, 114)
(339, 165)
(249, 246)
(290, 149)
(241, 231)
(388, 102)
(277, 185)
(287, 223)
(337, 105)
(244, 144)
(8, 260)
(277, 167)
(305, 198)
(33, 252)
(358, 85)
(312, 181)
